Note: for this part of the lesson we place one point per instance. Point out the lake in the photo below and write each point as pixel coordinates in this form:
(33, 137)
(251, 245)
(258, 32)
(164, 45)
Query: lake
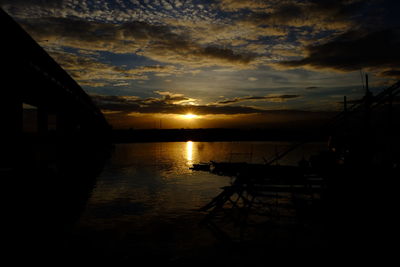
(145, 202)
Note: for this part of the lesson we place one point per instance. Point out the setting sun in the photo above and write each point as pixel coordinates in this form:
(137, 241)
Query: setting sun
(189, 116)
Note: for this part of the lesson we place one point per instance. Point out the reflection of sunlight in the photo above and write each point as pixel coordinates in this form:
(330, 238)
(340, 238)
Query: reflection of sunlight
(189, 151)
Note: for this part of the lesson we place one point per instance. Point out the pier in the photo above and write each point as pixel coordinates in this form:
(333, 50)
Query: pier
(31, 77)
(348, 189)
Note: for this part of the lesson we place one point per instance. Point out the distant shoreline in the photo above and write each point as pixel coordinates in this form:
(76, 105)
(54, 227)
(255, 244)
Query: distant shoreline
(181, 135)
(213, 135)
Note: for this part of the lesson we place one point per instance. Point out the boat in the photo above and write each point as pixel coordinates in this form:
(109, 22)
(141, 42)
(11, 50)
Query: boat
(202, 166)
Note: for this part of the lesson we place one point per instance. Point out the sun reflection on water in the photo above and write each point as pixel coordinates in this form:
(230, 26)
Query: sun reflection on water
(189, 152)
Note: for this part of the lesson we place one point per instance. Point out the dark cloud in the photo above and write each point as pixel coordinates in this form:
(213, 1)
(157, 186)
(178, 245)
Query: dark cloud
(329, 14)
(273, 98)
(354, 50)
(234, 5)
(79, 34)
(391, 74)
(167, 104)
(120, 109)
(89, 71)
(127, 112)
(395, 101)
(168, 98)
(30, 3)
(351, 102)
(226, 54)
(233, 34)
(157, 42)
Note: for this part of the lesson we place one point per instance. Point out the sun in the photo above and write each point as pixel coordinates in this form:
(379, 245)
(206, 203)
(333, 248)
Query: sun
(189, 116)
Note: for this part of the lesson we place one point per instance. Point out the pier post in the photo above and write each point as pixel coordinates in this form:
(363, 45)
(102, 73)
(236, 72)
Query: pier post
(369, 142)
(367, 103)
(42, 120)
(63, 124)
(390, 112)
(345, 112)
(11, 125)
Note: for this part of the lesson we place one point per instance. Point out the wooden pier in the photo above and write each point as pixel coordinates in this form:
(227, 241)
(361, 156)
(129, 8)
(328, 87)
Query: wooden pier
(344, 186)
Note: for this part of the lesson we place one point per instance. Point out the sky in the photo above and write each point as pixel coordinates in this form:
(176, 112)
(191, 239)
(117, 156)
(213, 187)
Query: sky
(228, 63)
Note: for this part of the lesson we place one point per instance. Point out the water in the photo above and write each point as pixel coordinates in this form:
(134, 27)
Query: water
(145, 201)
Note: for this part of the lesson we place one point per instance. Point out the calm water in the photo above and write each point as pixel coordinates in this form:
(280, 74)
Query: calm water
(145, 200)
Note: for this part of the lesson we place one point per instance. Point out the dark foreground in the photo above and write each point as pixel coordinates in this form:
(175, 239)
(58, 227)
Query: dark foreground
(50, 216)
(47, 198)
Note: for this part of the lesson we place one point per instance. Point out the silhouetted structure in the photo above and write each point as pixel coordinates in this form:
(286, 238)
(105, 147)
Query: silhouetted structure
(31, 76)
(348, 189)
(48, 176)
(366, 133)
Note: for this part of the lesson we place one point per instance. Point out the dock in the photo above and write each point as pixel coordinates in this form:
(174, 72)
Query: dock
(344, 186)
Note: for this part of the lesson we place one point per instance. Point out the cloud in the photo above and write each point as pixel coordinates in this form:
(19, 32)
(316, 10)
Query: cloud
(328, 14)
(395, 101)
(168, 104)
(89, 71)
(30, 3)
(226, 54)
(157, 42)
(232, 32)
(171, 98)
(182, 32)
(92, 83)
(393, 73)
(121, 84)
(128, 104)
(182, 38)
(354, 50)
(84, 9)
(76, 33)
(235, 5)
(270, 98)
(129, 111)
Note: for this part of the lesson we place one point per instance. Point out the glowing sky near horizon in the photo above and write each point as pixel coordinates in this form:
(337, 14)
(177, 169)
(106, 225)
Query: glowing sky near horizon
(228, 62)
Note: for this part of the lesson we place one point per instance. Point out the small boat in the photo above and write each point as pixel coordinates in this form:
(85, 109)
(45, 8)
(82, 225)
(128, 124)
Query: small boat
(202, 166)
(256, 170)
(228, 168)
